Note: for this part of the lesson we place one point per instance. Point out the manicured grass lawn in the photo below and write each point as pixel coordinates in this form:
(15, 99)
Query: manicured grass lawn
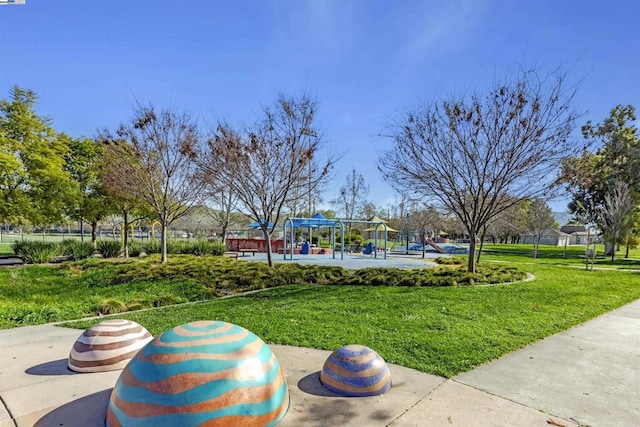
(556, 255)
(5, 249)
(40, 294)
(442, 331)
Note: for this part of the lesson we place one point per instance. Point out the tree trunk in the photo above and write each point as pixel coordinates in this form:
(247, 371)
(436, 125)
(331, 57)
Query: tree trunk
(94, 233)
(471, 266)
(163, 242)
(480, 250)
(536, 242)
(224, 232)
(610, 247)
(125, 238)
(267, 245)
(81, 230)
(626, 252)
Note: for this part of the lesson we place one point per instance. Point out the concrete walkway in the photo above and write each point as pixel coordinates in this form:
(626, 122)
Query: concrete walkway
(588, 375)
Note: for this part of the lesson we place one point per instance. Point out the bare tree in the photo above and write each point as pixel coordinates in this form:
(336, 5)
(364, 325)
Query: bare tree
(266, 166)
(616, 214)
(353, 194)
(479, 156)
(539, 219)
(428, 221)
(226, 201)
(151, 153)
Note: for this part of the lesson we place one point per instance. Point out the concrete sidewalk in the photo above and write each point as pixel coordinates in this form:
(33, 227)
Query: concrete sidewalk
(589, 374)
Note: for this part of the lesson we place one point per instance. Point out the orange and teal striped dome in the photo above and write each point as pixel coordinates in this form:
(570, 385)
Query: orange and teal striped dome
(201, 373)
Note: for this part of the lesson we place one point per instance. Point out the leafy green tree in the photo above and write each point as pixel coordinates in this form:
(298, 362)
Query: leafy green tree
(593, 175)
(35, 186)
(84, 162)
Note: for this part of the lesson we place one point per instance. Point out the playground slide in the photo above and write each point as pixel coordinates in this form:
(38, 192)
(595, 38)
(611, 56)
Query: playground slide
(368, 249)
(434, 246)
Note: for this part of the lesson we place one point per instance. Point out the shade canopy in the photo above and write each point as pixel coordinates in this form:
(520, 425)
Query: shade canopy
(318, 220)
(379, 226)
(255, 225)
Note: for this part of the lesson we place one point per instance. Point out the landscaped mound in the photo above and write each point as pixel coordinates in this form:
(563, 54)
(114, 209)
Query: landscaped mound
(72, 290)
(225, 276)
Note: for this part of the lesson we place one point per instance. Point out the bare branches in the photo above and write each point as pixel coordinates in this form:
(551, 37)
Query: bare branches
(270, 163)
(481, 155)
(149, 159)
(615, 213)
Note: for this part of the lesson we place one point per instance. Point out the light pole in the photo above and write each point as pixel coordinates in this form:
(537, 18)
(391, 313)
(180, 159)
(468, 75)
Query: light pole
(407, 232)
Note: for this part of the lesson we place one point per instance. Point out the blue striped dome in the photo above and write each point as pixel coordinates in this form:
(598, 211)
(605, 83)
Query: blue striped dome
(201, 373)
(356, 370)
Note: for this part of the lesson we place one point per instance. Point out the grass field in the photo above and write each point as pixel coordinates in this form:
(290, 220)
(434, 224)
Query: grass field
(443, 330)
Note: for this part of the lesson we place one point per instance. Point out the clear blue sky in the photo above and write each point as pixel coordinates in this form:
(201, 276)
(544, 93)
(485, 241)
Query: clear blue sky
(365, 61)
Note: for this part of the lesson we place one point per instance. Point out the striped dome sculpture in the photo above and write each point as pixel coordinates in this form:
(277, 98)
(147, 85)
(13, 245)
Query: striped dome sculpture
(356, 371)
(201, 373)
(107, 346)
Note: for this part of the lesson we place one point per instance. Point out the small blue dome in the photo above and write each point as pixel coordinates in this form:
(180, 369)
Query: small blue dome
(356, 370)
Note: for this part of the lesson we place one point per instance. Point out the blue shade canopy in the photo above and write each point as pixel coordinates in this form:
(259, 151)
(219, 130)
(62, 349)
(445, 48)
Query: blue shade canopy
(318, 220)
(255, 225)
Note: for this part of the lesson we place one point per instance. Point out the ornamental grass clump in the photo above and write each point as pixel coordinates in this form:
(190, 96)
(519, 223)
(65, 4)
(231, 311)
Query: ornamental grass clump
(36, 252)
(77, 250)
(109, 248)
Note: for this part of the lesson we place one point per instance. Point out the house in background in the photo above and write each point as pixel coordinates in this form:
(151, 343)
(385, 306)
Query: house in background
(549, 237)
(578, 234)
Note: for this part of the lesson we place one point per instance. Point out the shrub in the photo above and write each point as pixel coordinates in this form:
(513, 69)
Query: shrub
(451, 260)
(109, 248)
(167, 299)
(111, 306)
(135, 248)
(152, 247)
(36, 252)
(218, 248)
(77, 250)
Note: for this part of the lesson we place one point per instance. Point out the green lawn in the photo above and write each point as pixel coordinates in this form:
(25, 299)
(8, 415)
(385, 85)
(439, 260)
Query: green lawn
(46, 293)
(556, 255)
(442, 331)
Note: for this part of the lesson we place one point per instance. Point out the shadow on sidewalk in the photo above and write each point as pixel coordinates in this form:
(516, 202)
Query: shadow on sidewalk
(88, 411)
(57, 367)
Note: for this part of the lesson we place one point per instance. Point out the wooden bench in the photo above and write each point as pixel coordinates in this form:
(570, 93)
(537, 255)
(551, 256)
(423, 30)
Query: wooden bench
(233, 255)
(247, 250)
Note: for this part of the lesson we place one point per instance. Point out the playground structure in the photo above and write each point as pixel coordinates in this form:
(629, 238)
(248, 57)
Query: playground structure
(318, 221)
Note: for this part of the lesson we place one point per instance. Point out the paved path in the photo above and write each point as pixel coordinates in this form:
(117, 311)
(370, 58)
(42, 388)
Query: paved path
(588, 375)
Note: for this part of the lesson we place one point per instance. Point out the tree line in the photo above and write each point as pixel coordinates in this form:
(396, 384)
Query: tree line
(483, 159)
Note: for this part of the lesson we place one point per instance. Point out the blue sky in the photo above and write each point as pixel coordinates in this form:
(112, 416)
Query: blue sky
(365, 61)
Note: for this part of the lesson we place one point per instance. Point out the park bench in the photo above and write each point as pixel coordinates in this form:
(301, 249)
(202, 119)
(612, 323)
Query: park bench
(233, 255)
(248, 250)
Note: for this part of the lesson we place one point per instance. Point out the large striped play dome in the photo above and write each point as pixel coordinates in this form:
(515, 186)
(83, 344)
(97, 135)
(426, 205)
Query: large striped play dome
(356, 370)
(107, 346)
(201, 373)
